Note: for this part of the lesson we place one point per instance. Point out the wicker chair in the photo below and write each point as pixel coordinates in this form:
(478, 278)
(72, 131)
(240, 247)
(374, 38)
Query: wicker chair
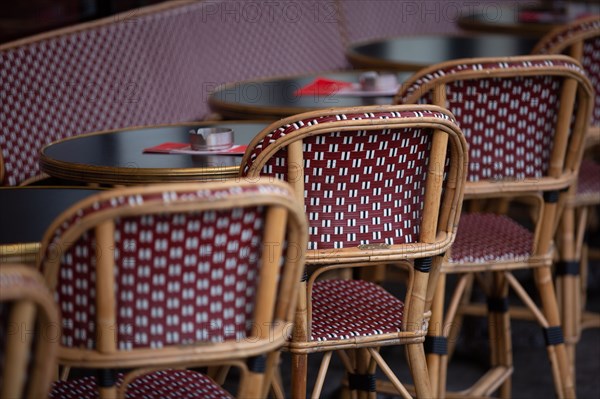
(580, 40)
(371, 179)
(29, 333)
(153, 279)
(517, 115)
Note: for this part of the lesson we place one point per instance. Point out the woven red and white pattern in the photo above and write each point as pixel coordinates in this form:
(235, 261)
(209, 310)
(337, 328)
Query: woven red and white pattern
(590, 60)
(588, 181)
(361, 187)
(284, 130)
(486, 237)
(85, 387)
(175, 384)
(591, 64)
(164, 384)
(343, 309)
(143, 69)
(180, 278)
(509, 122)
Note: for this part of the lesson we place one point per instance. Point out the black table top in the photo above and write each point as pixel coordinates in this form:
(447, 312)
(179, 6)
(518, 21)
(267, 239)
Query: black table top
(416, 52)
(28, 211)
(275, 98)
(116, 157)
(525, 19)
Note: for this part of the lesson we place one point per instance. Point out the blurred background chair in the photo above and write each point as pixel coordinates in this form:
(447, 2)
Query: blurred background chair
(580, 40)
(29, 334)
(525, 139)
(170, 276)
(381, 185)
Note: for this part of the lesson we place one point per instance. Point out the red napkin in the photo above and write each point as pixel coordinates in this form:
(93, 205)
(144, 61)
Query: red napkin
(543, 17)
(166, 148)
(322, 87)
(183, 148)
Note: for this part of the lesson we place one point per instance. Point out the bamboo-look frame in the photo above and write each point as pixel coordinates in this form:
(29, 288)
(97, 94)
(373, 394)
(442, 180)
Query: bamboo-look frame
(562, 174)
(438, 228)
(275, 309)
(33, 310)
(434, 240)
(437, 236)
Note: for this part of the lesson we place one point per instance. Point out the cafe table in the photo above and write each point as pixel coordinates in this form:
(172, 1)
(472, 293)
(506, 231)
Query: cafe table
(117, 157)
(525, 19)
(411, 53)
(26, 214)
(275, 98)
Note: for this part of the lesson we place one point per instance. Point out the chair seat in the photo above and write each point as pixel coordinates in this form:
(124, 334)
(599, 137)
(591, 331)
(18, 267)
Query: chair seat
(486, 237)
(344, 309)
(164, 384)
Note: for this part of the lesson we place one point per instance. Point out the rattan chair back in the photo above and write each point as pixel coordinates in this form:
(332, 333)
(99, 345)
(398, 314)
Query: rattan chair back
(518, 115)
(176, 274)
(366, 176)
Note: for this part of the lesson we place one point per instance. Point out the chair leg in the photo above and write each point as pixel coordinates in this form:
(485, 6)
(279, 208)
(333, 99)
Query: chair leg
(567, 280)
(435, 334)
(571, 274)
(272, 381)
(252, 385)
(500, 332)
(456, 325)
(107, 383)
(364, 376)
(218, 373)
(322, 374)
(440, 327)
(557, 351)
(299, 375)
(418, 370)
(108, 393)
(360, 375)
(276, 388)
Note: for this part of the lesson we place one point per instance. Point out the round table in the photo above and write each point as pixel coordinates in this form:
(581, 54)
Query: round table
(116, 157)
(536, 21)
(411, 53)
(275, 98)
(26, 214)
